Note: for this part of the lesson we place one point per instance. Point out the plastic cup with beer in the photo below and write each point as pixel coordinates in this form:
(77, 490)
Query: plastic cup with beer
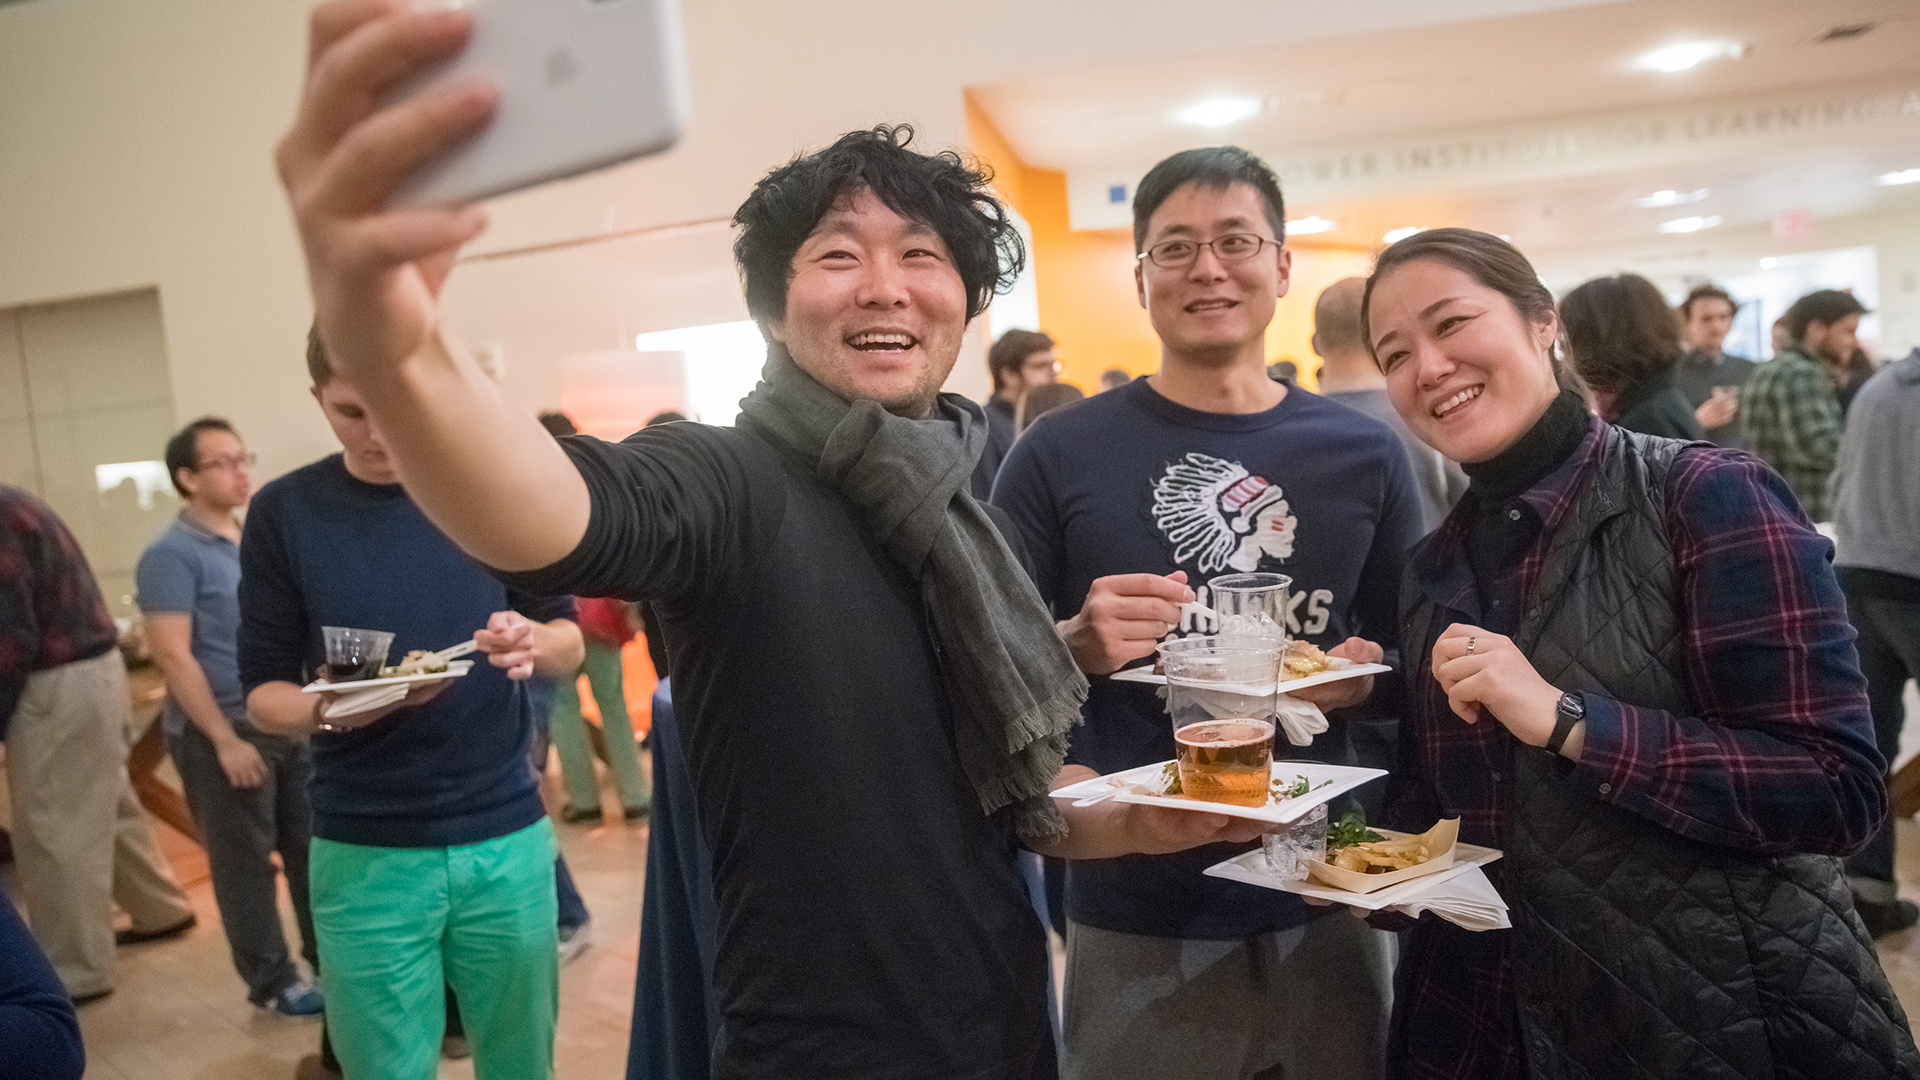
(1251, 609)
(1220, 694)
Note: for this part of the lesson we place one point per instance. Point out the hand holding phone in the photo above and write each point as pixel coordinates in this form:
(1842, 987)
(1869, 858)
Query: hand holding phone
(376, 274)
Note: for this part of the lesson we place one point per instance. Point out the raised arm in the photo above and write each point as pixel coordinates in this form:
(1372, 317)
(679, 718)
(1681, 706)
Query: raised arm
(482, 469)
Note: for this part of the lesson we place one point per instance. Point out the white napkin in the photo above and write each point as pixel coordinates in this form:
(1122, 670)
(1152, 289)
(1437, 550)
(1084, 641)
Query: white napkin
(355, 702)
(1468, 900)
(1301, 720)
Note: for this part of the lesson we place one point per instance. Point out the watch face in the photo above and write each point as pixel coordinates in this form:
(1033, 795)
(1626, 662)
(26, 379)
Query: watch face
(1573, 706)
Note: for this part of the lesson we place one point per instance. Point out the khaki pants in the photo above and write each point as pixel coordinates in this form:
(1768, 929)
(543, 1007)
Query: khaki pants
(80, 839)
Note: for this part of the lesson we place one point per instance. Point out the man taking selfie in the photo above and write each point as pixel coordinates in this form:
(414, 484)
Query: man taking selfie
(873, 699)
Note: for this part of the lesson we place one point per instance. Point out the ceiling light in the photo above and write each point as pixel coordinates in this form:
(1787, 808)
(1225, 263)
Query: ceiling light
(1682, 57)
(1672, 198)
(1218, 112)
(1398, 235)
(1904, 176)
(1307, 226)
(1689, 224)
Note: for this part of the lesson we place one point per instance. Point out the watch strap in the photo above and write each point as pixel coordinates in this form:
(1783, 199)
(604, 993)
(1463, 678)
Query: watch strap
(1571, 710)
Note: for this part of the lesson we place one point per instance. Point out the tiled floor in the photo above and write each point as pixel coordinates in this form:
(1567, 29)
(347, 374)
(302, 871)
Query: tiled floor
(179, 1012)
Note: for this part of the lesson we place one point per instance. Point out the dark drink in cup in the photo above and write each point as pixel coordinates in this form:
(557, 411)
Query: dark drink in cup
(1227, 761)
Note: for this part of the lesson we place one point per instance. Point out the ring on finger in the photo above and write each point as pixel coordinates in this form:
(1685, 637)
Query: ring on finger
(1470, 645)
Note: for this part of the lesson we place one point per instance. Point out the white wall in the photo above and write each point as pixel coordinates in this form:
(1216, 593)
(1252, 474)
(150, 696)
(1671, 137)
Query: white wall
(135, 138)
(1721, 254)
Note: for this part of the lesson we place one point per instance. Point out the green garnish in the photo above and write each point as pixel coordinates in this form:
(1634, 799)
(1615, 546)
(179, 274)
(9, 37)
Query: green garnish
(1172, 774)
(1283, 791)
(1350, 829)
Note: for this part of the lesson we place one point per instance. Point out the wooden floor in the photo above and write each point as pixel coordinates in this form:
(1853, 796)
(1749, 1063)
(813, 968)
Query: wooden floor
(180, 1013)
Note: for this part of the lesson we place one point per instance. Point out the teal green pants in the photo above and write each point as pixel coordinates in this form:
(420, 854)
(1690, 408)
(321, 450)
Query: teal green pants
(569, 733)
(397, 924)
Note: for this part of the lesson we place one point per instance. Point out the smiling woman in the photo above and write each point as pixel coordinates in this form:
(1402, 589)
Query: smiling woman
(1590, 694)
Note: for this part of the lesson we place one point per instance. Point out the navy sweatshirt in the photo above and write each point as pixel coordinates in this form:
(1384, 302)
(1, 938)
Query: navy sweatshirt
(324, 549)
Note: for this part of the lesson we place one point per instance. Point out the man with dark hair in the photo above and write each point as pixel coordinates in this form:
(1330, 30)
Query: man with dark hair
(874, 700)
(1351, 378)
(1792, 408)
(1018, 362)
(80, 840)
(1127, 504)
(247, 788)
(1708, 377)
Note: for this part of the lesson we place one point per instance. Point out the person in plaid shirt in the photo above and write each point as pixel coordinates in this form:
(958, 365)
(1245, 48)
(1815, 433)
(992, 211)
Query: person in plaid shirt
(63, 715)
(1791, 403)
(1631, 668)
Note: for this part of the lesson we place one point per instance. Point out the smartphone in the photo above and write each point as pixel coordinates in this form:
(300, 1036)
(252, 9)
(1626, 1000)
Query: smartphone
(584, 84)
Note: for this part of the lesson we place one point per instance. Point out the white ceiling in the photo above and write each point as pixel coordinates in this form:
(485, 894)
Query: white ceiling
(1503, 71)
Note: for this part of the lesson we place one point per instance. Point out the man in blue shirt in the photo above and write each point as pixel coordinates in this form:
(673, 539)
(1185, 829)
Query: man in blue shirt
(432, 861)
(247, 789)
(1128, 502)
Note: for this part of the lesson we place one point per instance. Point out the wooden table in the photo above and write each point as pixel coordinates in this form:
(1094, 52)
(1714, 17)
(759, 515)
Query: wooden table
(147, 691)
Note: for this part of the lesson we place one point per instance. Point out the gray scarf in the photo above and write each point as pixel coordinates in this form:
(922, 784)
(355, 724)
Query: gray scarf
(1014, 686)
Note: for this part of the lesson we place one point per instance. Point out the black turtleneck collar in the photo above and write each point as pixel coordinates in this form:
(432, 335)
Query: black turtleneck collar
(1552, 439)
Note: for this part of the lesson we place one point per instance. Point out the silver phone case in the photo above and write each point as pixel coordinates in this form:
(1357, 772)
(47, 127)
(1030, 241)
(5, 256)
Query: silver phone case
(584, 84)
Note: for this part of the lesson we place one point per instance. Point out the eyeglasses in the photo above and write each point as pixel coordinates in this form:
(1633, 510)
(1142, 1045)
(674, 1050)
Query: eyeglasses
(1233, 247)
(238, 461)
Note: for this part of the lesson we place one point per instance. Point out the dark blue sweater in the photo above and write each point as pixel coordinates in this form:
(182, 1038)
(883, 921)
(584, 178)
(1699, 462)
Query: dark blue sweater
(1130, 482)
(324, 549)
(39, 1036)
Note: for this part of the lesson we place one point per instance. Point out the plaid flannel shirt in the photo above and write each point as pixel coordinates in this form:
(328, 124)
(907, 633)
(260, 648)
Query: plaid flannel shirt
(51, 612)
(1779, 758)
(1791, 414)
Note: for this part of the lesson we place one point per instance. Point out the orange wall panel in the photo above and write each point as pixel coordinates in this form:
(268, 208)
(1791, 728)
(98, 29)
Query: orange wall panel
(1088, 300)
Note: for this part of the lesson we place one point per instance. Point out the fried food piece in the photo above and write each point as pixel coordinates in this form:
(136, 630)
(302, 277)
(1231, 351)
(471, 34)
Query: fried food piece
(1383, 856)
(417, 662)
(1304, 658)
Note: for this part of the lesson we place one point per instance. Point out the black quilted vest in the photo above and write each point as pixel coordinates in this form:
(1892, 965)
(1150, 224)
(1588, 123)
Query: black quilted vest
(1638, 952)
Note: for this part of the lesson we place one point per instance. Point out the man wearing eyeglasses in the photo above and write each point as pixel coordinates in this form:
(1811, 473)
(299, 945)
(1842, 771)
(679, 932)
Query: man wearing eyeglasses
(247, 789)
(1128, 503)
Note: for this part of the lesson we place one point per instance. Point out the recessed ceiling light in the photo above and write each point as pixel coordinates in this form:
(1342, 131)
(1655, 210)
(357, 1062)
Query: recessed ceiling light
(1689, 224)
(1683, 56)
(1307, 226)
(1398, 235)
(1218, 112)
(1904, 176)
(1672, 198)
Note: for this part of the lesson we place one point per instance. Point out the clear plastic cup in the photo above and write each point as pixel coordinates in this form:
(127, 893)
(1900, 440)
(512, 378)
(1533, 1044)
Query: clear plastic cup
(353, 655)
(1288, 852)
(1221, 700)
(1251, 609)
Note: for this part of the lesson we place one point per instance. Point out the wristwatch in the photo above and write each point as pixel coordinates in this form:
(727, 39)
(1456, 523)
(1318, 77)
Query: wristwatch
(1571, 710)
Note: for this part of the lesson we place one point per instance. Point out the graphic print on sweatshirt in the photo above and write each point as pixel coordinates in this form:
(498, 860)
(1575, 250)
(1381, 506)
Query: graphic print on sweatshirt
(1219, 517)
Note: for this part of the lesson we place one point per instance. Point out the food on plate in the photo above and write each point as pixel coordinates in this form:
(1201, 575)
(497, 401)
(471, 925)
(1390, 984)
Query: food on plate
(1304, 658)
(1353, 846)
(417, 662)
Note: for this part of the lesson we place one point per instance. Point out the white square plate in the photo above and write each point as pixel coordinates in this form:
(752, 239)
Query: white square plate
(1328, 781)
(1251, 869)
(1343, 669)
